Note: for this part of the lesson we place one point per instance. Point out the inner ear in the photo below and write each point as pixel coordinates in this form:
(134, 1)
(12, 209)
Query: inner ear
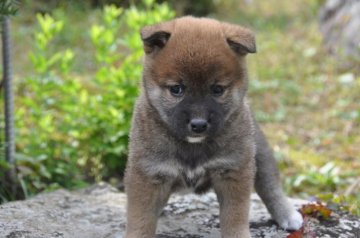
(155, 41)
(240, 48)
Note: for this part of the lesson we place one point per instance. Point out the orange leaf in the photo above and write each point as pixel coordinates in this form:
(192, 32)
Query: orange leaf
(297, 234)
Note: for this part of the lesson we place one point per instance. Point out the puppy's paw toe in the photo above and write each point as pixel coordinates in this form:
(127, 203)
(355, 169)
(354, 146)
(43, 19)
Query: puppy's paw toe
(292, 222)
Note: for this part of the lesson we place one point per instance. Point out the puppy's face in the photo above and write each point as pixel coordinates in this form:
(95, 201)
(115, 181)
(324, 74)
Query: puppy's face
(195, 75)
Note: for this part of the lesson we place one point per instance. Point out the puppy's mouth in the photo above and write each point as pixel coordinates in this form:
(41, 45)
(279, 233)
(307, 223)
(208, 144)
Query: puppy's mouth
(195, 139)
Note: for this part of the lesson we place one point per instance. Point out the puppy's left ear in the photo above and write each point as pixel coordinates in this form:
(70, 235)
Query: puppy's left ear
(155, 37)
(240, 39)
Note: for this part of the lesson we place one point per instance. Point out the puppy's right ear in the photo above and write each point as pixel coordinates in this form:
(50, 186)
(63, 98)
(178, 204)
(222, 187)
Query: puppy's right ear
(155, 37)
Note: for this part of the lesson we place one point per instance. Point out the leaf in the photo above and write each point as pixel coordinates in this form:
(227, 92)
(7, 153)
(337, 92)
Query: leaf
(305, 231)
(316, 210)
(297, 234)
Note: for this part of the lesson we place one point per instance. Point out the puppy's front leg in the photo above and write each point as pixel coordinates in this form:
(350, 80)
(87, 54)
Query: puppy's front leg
(233, 191)
(145, 199)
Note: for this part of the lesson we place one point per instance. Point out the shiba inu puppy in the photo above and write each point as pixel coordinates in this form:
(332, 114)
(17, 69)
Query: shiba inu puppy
(193, 129)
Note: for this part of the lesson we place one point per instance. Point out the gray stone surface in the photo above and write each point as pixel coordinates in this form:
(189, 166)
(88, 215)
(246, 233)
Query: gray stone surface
(340, 26)
(99, 212)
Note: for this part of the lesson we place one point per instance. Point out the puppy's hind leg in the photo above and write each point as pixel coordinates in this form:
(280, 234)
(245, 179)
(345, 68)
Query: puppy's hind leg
(268, 186)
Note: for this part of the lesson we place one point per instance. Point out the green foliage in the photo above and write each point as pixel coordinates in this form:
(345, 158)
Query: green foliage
(327, 177)
(74, 128)
(45, 106)
(41, 59)
(8, 7)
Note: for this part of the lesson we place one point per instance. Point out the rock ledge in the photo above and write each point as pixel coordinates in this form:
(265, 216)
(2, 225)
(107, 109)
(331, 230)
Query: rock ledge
(99, 212)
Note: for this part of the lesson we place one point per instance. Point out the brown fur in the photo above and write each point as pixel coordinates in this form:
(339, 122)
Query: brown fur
(197, 53)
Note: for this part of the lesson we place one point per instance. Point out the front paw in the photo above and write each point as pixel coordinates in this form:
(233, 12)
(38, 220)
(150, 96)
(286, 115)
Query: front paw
(291, 221)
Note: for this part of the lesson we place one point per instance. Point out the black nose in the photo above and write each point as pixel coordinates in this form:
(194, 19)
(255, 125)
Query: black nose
(198, 125)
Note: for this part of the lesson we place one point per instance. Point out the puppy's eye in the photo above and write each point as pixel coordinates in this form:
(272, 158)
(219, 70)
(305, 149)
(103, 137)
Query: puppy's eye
(177, 90)
(217, 90)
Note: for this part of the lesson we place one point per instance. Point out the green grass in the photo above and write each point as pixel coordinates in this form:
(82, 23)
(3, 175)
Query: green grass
(308, 107)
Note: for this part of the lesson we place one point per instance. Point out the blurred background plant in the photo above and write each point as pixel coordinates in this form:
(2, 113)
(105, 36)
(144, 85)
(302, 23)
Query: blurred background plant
(77, 70)
(75, 126)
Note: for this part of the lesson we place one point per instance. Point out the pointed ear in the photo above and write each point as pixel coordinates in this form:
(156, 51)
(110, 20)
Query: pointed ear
(240, 39)
(155, 37)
